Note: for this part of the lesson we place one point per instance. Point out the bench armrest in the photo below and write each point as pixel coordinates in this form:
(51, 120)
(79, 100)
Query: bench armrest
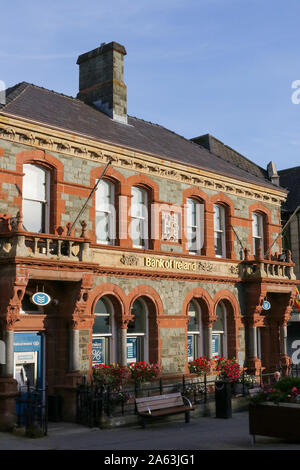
(185, 398)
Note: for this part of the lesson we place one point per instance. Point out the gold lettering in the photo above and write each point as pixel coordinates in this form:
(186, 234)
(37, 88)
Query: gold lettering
(169, 264)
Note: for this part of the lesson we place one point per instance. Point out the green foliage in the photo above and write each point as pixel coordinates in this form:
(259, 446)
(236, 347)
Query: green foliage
(285, 390)
(287, 383)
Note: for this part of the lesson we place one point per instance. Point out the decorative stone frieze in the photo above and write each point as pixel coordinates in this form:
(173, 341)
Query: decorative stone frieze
(129, 260)
(85, 148)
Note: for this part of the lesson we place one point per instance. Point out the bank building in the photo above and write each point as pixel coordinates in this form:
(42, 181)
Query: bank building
(172, 258)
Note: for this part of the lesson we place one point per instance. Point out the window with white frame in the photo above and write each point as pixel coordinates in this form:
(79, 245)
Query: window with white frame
(195, 226)
(219, 332)
(139, 217)
(102, 344)
(219, 231)
(257, 232)
(105, 213)
(137, 333)
(195, 347)
(36, 196)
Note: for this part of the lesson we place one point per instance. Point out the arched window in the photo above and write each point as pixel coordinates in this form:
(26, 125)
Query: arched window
(195, 339)
(219, 332)
(103, 347)
(257, 232)
(137, 333)
(195, 226)
(139, 217)
(36, 195)
(219, 231)
(105, 213)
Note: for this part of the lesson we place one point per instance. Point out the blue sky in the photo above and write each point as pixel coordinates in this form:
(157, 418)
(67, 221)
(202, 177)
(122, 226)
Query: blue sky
(223, 67)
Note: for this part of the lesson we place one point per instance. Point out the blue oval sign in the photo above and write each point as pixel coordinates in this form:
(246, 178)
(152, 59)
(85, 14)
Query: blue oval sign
(266, 305)
(40, 298)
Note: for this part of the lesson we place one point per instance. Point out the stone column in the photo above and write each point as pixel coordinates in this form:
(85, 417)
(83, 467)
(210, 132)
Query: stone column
(253, 362)
(74, 350)
(67, 385)
(283, 339)
(285, 360)
(207, 333)
(8, 385)
(122, 345)
(7, 369)
(252, 341)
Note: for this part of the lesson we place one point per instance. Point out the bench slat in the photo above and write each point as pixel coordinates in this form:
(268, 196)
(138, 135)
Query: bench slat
(158, 397)
(156, 405)
(162, 405)
(167, 411)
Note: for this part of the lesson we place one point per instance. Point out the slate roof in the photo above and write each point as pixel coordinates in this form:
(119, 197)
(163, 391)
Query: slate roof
(230, 155)
(290, 179)
(67, 113)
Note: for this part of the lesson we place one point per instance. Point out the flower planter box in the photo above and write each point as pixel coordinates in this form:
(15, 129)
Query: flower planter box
(272, 420)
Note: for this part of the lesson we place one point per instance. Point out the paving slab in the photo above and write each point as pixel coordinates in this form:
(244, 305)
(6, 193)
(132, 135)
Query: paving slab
(204, 433)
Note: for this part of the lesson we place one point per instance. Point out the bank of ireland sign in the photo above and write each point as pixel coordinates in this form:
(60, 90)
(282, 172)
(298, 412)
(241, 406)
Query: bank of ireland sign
(40, 298)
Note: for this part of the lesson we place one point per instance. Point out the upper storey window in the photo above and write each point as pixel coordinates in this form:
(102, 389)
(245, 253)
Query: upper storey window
(219, 231)
(139, 217)
(194, 226)
(105, 213)
(257, 232)
(36, 187)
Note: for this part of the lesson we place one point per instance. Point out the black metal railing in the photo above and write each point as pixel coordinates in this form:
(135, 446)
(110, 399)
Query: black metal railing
(95, 400)
(268, 377)
(32, 409)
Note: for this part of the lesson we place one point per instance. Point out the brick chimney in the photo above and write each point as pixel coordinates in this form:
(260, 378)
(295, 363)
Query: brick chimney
(101, 80)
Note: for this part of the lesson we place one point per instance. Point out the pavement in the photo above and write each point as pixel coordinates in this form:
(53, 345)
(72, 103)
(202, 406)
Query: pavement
(204, 433)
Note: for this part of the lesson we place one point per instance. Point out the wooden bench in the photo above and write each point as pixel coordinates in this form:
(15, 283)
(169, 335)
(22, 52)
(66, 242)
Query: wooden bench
(163, 405)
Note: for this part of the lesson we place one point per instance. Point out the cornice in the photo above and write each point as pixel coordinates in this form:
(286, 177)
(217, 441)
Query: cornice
(50, 139)
(167, 276)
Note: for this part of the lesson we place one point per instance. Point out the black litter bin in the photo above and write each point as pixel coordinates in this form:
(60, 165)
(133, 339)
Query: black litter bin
(223, 400)
(55, 403)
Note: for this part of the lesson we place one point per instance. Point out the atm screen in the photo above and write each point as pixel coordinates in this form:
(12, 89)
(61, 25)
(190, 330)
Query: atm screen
(25, 374)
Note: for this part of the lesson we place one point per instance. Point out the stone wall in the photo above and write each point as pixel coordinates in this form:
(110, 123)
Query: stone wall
(77, 175)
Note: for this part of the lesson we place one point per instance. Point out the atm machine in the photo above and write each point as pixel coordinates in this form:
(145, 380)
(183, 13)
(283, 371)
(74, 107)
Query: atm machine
(28, 359)
(25, 369)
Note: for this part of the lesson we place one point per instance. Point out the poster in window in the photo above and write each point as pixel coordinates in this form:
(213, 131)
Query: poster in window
(98, 356)
(215, 345)
(131, 349)
(190, 348)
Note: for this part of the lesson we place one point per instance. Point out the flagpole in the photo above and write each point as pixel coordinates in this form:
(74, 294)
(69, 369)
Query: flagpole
(90, 195)
(283, 229)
